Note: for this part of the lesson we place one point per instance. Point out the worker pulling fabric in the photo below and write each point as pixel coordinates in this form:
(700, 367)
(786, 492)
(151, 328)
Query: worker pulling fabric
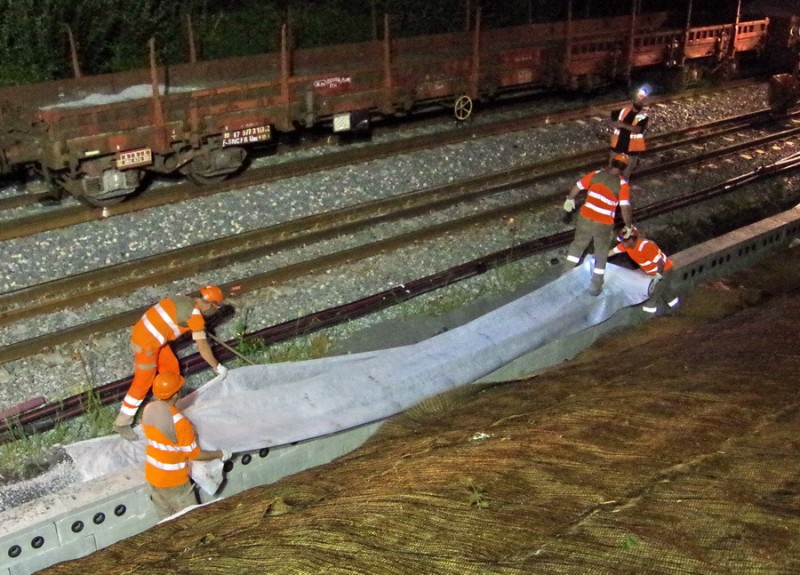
(605, 190)
(171, 447)
(652, 261)
(152, 335)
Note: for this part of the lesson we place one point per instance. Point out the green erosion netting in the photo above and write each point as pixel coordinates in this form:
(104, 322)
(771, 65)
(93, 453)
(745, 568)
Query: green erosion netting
(673, 448)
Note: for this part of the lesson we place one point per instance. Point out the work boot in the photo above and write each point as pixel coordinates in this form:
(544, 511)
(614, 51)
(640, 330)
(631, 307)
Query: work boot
(123, 420)
(126, 432)
(595, 289)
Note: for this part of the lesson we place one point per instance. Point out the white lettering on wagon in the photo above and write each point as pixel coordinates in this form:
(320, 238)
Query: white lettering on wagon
(334, 82)
(245, 136)
(134, 158)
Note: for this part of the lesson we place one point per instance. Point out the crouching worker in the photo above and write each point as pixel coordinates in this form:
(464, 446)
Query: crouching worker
(171, 447)
(654, 262)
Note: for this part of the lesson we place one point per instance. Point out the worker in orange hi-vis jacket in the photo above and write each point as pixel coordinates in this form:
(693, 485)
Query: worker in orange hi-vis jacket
(171, 447)
(652, 261)
(605, 190)
(630, 125)
(150, 342)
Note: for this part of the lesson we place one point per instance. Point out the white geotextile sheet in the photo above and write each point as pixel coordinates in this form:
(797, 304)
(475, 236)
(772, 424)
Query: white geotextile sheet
(276, 404)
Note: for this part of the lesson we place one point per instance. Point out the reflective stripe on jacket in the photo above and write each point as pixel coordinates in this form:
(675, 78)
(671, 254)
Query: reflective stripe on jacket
(603, 192)
(630, 142)
(167, 461)
(646, 254)
(166, 321)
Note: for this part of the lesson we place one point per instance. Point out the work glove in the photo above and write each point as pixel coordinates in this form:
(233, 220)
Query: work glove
(569, 205)
(221, 371)
(226, 455)
(627, 231)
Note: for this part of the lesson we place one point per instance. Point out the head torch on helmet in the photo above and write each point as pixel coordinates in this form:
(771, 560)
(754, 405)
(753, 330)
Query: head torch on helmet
(627, 233)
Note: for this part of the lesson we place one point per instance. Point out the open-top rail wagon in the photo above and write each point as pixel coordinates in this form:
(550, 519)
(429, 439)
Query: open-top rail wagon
(95, 137)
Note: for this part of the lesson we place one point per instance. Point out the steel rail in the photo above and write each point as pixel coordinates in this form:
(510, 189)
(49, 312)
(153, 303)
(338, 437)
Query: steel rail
(45, 417)
(183, 191)
(125, 319)
(23, 200)
(122, 278)
(459, 134)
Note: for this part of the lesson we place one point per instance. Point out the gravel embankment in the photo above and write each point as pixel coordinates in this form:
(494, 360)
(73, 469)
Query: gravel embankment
(64, 371)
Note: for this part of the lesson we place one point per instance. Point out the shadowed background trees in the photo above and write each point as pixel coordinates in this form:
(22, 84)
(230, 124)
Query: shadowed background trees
(112, 35)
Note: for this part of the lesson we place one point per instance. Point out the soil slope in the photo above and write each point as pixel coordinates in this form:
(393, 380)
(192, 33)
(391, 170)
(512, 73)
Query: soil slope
(671, 448)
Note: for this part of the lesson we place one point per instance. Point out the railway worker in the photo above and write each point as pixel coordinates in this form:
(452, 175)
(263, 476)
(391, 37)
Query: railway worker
(171, 447)
(630, 125)
(605, 190)
(150, 342)
(652, 261)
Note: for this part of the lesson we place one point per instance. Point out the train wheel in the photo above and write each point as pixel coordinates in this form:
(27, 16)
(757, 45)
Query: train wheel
(462, 108)
(86, 193)
(213, 165)
(726, 70)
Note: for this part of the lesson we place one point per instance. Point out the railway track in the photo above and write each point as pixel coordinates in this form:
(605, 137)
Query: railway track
(170, 194)
(435, 198)
(45, 417)
(122, 278)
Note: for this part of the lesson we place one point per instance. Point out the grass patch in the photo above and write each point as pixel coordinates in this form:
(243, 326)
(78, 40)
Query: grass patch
(477, 496)
(629, 542)
(30, 454)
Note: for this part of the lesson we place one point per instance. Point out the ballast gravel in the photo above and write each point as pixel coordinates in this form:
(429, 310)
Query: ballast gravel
(57, 373)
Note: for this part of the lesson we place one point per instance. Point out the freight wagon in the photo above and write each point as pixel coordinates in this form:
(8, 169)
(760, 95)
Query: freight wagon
(96, 137)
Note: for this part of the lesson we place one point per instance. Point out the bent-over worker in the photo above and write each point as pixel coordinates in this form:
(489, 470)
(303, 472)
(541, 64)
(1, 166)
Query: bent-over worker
(655, 263)
(171, 447)
(162, 324)
(605, 189)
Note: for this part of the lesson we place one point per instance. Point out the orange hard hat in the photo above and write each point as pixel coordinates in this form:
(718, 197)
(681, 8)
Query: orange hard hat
(167, 384)
(212, 294)
(621, 159)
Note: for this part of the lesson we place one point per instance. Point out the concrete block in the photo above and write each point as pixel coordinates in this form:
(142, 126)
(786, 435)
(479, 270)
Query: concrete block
(44, 532)
(102, 514)
(119, 530)
(27, 544)
(267, 466)
(73, 550)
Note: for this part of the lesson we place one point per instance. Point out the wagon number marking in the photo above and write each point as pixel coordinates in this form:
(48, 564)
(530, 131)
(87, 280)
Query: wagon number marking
(246, 136)
(134, 158)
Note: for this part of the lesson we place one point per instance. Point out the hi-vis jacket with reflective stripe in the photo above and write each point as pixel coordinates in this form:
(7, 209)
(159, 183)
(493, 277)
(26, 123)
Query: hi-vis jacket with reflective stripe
(647, 254)
(603, 192)
(623, 140)
(166, 321)
(167, 460)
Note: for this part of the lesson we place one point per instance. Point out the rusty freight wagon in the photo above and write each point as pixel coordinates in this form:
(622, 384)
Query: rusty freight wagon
(95, 137)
